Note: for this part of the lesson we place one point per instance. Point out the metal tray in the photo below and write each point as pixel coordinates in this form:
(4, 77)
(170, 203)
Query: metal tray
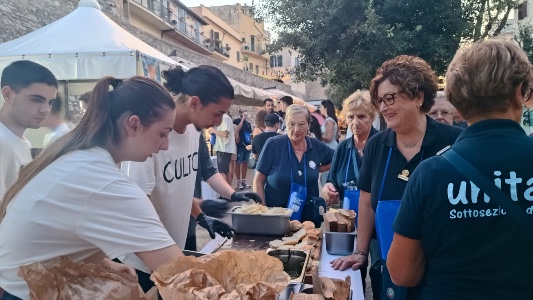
(340, 243)
(259, 223)
(294, 261)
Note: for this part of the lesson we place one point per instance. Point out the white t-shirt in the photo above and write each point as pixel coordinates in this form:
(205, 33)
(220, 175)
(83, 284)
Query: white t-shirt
(228, 144)
(81, 206)
(14, 153)
(56, 133)
(169, 178)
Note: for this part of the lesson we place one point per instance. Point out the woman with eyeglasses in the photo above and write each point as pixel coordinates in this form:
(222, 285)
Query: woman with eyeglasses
(403, 90)
(290, 163)
(442, 111)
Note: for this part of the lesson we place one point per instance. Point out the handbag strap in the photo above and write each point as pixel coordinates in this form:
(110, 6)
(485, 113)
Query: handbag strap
(488, 187)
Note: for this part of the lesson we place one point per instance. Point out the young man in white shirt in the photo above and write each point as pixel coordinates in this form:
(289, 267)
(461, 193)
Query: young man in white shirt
(54, 121)
(225, 145)
(28, 90)
(202, 95)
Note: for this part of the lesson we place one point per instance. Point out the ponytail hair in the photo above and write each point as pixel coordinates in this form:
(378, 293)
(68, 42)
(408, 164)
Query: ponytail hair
(206, 82)
(111, 101)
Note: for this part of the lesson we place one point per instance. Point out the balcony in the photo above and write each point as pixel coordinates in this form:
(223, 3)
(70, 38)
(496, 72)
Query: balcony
(159, 15)
(255, 50)
(170, 24)
(221, 52)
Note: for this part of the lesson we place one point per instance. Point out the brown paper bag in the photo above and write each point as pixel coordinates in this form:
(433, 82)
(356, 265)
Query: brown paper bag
(331, 288)
(228, 275)
(78, 280)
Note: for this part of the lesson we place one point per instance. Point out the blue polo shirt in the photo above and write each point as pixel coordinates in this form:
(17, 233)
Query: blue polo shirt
(275, 163)
(473, 249)
(437, 136)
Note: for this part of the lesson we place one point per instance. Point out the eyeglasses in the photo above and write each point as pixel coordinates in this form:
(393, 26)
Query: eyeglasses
(443, 113)
(388, 99)
(526, 117)
(301, 125)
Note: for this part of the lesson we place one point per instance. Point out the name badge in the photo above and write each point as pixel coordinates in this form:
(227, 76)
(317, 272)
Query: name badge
(312, 164)
(404, 175)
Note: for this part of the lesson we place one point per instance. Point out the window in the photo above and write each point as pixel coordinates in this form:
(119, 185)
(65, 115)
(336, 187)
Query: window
(257, 69)
(197, 31)
(276, 61)
(296, 62)
(252, 43)
(522, 11)
(238, 56)
(251, 69)
(181, 17)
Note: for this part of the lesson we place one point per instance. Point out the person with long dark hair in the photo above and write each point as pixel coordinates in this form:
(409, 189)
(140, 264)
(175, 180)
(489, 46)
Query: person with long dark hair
(203, 95)
(330, 125)
(73, 201)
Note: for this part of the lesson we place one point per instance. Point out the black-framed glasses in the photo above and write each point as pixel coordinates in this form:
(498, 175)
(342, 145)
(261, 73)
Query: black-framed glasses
(526, 117)
(388, 99)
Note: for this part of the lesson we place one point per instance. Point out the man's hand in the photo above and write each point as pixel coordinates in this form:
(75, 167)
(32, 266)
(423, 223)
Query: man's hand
(245, 196)
(214, 208)
(211, 130)
(121, 268)
(215, 226)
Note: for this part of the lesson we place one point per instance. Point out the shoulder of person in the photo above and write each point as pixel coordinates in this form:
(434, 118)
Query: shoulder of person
(447, 132)
(277, 140)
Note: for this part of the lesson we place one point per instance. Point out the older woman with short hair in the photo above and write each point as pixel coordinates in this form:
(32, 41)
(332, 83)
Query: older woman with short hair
(344, 173)
(449, 235)
(403, 90)
(442, 111)
(291, 159)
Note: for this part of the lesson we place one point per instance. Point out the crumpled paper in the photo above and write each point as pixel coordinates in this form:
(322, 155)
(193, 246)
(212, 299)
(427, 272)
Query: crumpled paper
(227, 275)
(78, 280)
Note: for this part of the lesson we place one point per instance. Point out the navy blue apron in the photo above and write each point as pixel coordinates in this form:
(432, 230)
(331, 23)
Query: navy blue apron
(351, 193)
(298, 193)
(385, 214)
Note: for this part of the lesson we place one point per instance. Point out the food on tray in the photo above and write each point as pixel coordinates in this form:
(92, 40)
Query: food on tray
(315, 231)
(308, 225)
(296, 225)
(306, 297)
(256, 209)
(340, 221)
(312, 239)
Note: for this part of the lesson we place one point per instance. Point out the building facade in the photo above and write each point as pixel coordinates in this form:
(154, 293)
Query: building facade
(225, 41)
(254, 38)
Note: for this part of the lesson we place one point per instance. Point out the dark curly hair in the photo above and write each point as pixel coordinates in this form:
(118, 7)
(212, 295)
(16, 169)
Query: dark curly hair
(411, 74)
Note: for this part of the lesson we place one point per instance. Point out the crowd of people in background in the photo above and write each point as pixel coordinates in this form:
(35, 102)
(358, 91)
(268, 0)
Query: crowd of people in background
(442, 194)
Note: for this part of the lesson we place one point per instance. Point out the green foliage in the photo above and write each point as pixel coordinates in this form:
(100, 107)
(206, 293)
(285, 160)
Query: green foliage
(525, 38)
(345, 41)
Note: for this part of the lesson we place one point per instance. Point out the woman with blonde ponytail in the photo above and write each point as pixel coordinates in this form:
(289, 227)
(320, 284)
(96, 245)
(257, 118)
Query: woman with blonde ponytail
(74, 201)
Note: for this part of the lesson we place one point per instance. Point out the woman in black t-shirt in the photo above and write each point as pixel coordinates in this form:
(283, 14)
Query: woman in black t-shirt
(403, 90)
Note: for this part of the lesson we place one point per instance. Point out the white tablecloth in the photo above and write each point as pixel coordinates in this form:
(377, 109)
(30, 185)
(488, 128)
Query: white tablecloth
(325, 270)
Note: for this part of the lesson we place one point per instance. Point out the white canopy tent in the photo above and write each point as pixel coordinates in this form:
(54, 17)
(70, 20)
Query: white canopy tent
(83, 45)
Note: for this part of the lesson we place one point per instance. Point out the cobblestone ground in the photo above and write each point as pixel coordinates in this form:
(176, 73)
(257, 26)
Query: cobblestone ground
(202, 237)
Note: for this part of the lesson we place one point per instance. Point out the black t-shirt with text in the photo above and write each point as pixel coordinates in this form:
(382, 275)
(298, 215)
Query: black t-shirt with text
(473, 248)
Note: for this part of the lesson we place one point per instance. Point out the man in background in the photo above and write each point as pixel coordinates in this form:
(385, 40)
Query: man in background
(224, 145)
(244, 138)
(272, 126)
(54, 121)
(284, 103)
(268, 105)
(28, 90)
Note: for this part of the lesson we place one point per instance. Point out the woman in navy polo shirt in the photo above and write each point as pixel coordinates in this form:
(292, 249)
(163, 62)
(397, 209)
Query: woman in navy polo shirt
(292, 159)
(403, 90)
(454, 233)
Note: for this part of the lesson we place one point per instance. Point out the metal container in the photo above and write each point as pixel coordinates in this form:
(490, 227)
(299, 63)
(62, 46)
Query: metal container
(340, 243)
(259, 223)
(294, 262)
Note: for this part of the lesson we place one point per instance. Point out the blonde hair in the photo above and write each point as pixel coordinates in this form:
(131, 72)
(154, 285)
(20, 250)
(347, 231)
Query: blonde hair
(482, 79)
(359, 100)
(297, 109)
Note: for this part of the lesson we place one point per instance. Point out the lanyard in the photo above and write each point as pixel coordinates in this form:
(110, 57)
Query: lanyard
(305, 165)
(355, 167)
(387, 169)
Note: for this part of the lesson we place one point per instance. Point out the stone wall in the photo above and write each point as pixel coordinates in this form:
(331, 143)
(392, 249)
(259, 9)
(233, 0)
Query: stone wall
(19, 17)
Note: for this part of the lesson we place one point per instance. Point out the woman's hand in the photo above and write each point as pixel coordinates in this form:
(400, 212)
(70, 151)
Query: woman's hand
(121, 268)
(330, 192)
(354, 261)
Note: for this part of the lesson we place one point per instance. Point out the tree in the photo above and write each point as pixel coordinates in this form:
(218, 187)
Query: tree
(524, 37)
(486, 18)
(344, 41)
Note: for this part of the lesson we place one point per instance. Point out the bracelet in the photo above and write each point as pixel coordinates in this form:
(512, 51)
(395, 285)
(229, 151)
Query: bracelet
(360, 253)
